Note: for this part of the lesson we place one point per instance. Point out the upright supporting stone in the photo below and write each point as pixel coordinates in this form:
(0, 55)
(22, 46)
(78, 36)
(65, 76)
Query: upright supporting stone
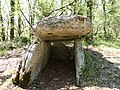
(36, 58)
(39, 59)
(79, 60)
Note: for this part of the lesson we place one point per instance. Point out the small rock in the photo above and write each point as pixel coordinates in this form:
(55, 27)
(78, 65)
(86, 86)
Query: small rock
(73, 88)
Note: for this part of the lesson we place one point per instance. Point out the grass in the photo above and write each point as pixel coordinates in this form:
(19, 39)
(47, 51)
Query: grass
(10, 45)
(3, 52)
(98, 42)
(109, 43)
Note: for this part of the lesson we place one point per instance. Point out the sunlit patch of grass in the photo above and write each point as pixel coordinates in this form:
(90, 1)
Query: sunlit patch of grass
(100, 42)
(17, 42)
(108, 43)
(3, 52)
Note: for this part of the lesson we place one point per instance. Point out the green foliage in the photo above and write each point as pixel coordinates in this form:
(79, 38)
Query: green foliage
(3, 49)
(81, 9)
(3, 52)
(112, 19)
(17, 42)
(5, 45)
(99, 41)
(45, 7)
(21, 40)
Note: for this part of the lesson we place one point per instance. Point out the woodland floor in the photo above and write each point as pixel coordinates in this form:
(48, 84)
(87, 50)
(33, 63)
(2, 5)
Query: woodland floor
(60, 75)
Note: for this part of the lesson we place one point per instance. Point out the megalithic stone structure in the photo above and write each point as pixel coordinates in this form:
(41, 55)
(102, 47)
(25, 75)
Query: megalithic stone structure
(49, 30)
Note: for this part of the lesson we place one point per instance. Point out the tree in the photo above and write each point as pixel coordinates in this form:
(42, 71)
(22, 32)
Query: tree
(105, 18)
(12, 28)
(113, 18)
(90, 7)
(19, 19)
(2, 25)
(31, 8)
(89, 16)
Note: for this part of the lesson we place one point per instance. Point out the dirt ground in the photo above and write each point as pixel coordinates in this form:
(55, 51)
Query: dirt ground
(60, 75)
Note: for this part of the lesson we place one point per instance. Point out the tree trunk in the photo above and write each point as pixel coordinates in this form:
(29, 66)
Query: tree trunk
(19, 25)
(2, 24)
(12, 4)
(19, 20)
(89, 16)
(79, 60)
(89, 11)
(30, 17)
(104, 10)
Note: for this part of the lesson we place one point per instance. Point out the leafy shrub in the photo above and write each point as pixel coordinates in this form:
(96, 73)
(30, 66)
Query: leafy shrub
(20, 41)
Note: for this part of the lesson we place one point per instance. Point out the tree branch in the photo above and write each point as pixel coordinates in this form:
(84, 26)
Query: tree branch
(62, 7)
(25, 16)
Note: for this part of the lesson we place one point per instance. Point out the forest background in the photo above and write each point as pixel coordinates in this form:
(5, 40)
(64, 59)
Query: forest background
(17, 18)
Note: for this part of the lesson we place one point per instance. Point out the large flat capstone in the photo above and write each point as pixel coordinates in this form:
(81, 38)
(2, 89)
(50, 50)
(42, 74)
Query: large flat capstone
(62, 28)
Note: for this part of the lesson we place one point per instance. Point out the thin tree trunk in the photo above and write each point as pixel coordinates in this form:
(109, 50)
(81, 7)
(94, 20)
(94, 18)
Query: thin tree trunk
(19, 20)
(89, 16)
(19, 26)
(2, 25)
(30, 17)
(12, 4)
(7, 30)
(89, 11)
(3, 30)
(104, 10)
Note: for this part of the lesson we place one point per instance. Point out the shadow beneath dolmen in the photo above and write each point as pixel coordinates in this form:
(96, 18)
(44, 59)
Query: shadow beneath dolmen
(104, 73)
(60, 74)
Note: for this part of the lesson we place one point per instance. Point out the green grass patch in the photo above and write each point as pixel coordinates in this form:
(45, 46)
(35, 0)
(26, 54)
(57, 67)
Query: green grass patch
(109, 43)
(98, 42)
(3, 52)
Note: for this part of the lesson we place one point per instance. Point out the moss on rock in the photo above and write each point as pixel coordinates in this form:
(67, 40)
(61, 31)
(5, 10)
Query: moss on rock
(24, 79)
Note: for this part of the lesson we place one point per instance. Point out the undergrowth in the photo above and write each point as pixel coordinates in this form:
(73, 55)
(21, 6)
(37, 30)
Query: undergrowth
(10, 45)
(99, 41)
(109, 43)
